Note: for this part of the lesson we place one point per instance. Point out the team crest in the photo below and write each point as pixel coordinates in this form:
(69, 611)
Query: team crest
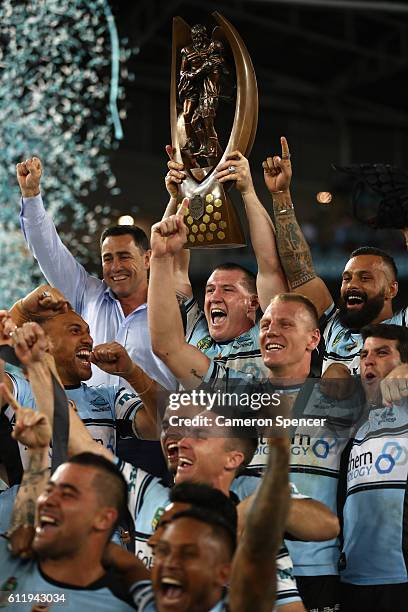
(157, 516)
(204, 343)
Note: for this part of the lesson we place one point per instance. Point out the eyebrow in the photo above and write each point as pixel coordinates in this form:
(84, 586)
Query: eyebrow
(116, 252)
(64, 485)
(78, 326)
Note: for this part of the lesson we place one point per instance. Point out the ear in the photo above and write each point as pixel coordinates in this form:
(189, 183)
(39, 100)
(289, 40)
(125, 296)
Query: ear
(223, 574)
(234, 459)
(392, 290)
(253, 303)
(314, 340)
(146, 259)
(105, 519)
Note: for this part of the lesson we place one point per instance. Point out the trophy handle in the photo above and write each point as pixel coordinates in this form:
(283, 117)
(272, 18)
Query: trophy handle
(246, 107)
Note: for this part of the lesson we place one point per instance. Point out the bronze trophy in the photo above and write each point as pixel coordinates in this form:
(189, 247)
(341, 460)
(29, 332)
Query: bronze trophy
(199, 64)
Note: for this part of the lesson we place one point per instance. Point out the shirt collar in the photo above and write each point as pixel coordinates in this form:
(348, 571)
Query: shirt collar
(109, 295)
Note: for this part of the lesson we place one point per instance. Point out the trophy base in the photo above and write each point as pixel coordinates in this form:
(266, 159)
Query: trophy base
(211, 220)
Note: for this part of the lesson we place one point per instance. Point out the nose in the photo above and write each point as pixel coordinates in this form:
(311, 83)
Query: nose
(48, 498)
(184, 442)
(369, 359)
(216, 295)
(272, 329)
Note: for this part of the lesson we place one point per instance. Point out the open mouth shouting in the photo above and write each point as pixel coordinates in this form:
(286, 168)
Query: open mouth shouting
(218, 316)
(355, 299)
(171, 592)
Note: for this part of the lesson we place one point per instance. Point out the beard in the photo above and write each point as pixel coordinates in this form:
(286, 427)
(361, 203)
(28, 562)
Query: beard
(355, 320)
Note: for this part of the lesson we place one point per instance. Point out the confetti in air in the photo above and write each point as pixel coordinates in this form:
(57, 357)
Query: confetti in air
(59, 86)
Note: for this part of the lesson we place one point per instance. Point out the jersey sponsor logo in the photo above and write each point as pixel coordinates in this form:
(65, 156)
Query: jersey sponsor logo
(300, 444)
(361, 465)
(144, 553)
(205, 343)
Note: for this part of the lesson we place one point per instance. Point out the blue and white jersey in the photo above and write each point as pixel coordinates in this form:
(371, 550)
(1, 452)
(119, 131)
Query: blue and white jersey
(344, 346)
(19, 579)
(100, 408)
(149, 496)
(315, 468)
(375, 523)
(143, 598)
(242, 353)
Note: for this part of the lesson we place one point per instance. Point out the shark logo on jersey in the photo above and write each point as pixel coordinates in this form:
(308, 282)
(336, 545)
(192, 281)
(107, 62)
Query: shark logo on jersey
(338, 338)
(387, 416)
(100, 404)
(205, 343)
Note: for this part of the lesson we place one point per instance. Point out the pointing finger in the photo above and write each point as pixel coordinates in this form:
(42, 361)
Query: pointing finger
(285, 148)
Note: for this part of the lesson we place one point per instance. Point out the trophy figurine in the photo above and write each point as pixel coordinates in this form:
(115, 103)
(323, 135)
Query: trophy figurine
(200, 65)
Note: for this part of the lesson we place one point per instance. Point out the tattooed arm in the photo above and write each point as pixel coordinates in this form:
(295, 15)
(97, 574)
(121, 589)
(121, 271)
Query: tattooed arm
(186, 362)
(253, 583)
(294, 252)
(32, 429)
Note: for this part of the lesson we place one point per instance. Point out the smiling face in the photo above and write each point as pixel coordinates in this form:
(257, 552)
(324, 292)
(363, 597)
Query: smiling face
(229, 307)
(69, 511)
(367, 290)
(171, 434)
(287, 338)
(124, 265)
(71, 347)
(377, 358)
(191, 567)
(204, 456)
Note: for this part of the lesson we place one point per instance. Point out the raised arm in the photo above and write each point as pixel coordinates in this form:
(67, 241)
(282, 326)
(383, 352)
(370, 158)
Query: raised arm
(56, 262)
(270, 278)
(32, 429)
(173, 179)
(252, 586)
(186, 362)
(113, 358)
(294, 252)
